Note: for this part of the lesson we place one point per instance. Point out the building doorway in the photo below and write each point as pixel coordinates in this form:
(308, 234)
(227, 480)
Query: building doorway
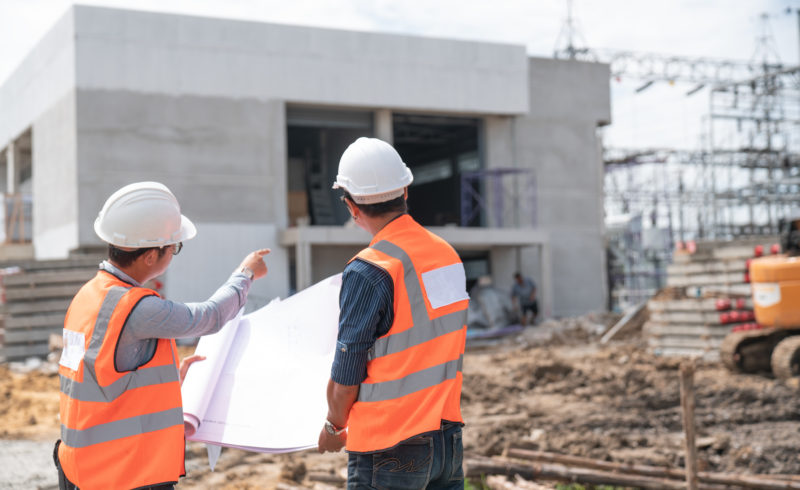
(438, 149)
(316, 140)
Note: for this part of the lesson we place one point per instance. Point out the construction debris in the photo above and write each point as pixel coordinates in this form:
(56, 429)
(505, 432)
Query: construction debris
(35, 298)
(707, 296)
(551, 389)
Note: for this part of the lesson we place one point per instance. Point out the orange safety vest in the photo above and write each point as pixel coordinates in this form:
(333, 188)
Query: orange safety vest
(119, 430)
(414, 371)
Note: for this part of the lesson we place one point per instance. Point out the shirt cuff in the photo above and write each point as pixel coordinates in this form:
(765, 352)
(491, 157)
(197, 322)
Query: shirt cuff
(349, 368)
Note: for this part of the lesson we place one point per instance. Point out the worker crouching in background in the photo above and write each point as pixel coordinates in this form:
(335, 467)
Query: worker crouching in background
(121, 411)
(395, 389)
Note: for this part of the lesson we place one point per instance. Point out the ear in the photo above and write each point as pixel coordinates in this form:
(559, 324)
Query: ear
(351, 207)
(150, 257)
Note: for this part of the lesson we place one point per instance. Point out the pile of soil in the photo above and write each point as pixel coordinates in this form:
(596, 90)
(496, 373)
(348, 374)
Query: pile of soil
(554, 387)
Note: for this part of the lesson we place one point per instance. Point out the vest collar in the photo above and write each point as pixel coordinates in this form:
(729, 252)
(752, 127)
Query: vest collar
(115, 271)
(397, 223)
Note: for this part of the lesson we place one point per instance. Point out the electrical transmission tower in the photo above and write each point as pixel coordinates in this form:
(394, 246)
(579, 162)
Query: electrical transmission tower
(745, 177)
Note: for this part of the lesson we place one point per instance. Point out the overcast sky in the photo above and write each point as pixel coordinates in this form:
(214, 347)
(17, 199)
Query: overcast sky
(661, 116)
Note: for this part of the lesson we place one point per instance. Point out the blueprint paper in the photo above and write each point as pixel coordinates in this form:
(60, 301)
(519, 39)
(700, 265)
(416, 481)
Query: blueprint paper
(270, 393)
(205, 373)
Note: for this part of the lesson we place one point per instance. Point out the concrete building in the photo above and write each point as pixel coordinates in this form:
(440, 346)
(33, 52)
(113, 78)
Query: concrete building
(245, 123)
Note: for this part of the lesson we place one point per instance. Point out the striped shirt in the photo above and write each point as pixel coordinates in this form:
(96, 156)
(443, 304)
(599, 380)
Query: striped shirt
(155, 318)
(366, 304)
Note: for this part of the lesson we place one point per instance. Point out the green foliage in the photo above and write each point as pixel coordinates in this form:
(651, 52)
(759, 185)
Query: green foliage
(578, 486)
(470, 484)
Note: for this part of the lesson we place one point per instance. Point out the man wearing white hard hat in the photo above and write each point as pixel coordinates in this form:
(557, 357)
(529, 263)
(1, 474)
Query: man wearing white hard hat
(395, 388)
(121, 412)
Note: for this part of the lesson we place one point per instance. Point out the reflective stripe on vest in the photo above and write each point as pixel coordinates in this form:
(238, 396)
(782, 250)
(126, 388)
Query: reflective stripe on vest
(431, 329)
(91, 391)
(414, 373)
(118, 429)
(412, 383)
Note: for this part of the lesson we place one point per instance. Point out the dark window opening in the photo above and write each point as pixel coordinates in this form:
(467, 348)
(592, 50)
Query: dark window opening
(476, 266)
(438, 150)
(316, 140)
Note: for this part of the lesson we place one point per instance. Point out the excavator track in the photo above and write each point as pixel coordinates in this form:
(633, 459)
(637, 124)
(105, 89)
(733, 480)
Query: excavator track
(785, 359)
(749, 351)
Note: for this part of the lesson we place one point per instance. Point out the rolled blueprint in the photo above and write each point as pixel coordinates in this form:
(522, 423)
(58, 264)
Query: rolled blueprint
(205, 373)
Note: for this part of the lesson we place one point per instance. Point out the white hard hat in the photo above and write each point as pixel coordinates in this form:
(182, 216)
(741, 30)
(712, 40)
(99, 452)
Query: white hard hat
(144, 214)
(371, 171)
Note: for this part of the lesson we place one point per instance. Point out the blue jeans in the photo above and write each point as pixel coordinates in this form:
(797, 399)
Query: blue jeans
(431, 460)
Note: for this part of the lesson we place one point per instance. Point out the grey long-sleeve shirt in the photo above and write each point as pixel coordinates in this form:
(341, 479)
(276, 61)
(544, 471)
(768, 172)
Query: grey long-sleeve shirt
(155, 318)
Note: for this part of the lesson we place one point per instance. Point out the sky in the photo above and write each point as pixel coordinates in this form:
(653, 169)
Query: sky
(662, 116)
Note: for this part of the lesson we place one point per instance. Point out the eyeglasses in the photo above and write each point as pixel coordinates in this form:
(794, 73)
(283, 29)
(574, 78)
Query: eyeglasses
(176, 248)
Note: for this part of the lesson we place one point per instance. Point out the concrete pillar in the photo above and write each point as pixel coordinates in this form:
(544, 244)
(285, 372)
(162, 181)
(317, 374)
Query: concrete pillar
(546, 291)
(303, 276)
(12, 164)
(383, 125)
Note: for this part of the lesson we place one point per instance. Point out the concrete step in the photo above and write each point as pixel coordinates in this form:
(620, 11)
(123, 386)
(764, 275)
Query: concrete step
(46, 320)
(27, 335)
(42, 292)
(42, 278)
(24, 351)
(22, 308)
(37, 295)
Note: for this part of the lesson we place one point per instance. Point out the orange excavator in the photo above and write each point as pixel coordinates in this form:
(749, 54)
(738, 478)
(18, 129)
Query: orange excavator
(775, 281)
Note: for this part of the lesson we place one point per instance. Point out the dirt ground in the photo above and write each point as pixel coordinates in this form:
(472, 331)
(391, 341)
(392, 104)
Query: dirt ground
(554, 388)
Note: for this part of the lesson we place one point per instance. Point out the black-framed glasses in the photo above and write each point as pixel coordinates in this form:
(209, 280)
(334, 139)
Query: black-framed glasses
(177, 248)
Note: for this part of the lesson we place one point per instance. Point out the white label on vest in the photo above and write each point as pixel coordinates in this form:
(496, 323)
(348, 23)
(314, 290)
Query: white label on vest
(74, 349)
(446, 285)
(766, 294)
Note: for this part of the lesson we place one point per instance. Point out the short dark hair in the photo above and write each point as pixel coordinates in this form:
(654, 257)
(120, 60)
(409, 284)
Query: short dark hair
(396, 205)
(124, 259)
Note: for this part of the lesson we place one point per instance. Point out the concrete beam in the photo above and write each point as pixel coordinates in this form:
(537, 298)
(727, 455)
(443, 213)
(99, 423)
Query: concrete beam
(502, 242)
(383, 125)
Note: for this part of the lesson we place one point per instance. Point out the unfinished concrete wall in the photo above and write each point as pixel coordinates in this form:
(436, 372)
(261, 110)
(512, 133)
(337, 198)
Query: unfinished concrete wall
(43, 78)
(558, 138)
(208, 260)
(180, 55)
(223, 158)
(39, 94)
(56, 219)
(219, 156)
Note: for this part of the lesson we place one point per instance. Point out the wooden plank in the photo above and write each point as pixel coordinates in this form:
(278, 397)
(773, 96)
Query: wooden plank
(31, 279)
(687, 415)
(13, 322)
(33, 307)
(42, 292)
